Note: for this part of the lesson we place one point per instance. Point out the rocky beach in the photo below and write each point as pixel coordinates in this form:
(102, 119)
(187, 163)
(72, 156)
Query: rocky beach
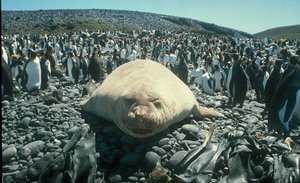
(34, 133)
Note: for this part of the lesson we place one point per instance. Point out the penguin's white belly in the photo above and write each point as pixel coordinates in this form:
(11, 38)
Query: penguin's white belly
(218, 83)
(69, 67)
(206, 88)
(34, 76)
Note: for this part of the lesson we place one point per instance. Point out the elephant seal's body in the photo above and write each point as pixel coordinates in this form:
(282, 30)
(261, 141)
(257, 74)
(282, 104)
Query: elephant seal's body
(143, 98)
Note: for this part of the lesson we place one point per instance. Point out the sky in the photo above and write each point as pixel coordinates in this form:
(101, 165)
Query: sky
(251, 16)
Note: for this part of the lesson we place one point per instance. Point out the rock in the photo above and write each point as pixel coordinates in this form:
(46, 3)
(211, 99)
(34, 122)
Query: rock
(176, 158)
(159, 150)
(24, 153)
(24, 122)
(151, 159)
(180, 136)
(9, 153)
(28, 114)
(5, 103)
(187, 128)
(115, 178)
(167, 147)
(130, 159)
(40, 165)
(32, 148)
(133, 179)
(42, 134)
(71, 131)
(163, 142)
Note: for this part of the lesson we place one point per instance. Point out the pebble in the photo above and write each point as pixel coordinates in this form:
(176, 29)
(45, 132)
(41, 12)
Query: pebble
(24, 122)
(159, 150)
(151, 159)
(176, 158)
(5, 103)
(115, 178)
(190, 128)
(163, 142)
(34, 147)
(24, 153)
(9, 153)
(133, 179)
(71, 131)
(42, 134)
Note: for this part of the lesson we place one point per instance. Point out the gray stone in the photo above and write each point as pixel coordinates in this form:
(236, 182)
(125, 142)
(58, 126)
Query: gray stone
(71, 131)
(167, 147)
(130, 159)
(42, 134)
(29, 114)
(133, 179)
(115, 178)
(5, 103)
(35, 147)
(24, 153)
(151, 159)
(180, 136)
(65, 125)
(159, 150)
(190, 128)
(9, 153)
(163, 142)
(24, 122)
(176, 158)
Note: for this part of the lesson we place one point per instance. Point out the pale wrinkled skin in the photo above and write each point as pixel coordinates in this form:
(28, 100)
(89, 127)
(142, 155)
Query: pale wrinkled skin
(143, 98)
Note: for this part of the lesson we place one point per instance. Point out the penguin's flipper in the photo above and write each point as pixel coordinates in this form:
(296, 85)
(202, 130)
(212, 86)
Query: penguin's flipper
(290, 105)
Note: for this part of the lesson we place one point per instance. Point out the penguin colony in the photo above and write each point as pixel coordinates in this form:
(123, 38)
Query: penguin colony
(219, 66)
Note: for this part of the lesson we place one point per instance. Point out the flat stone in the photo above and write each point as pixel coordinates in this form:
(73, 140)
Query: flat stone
(9, 153)
(151, 159)
(163, 142)
(176, 158)
(115, 178)
(190, 128)
(24, 122)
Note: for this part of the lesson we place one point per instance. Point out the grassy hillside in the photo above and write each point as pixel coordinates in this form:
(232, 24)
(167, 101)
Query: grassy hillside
(52, 21)
(287, 32)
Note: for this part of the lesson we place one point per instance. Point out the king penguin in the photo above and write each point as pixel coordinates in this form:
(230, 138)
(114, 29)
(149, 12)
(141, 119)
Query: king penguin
(261, 79)
(6, 80)
(237, 82)
(272, 83)
(72, 68)
(285, 105)
(32, 73)
(182, 71)
(46, 71)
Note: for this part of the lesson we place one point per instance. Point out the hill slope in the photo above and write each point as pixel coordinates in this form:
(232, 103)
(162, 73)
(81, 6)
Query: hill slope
(286, 32)
(51, 21)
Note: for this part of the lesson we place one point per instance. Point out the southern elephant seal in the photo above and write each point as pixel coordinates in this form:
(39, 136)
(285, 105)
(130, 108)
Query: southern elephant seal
(143, 98)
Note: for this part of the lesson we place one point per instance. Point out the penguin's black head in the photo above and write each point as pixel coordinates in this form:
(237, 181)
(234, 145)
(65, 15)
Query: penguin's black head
(33, 54)
(294, 59)
(70, 54)
(278, 63)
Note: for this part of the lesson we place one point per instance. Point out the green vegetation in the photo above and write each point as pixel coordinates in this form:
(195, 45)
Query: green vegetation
(287, 32)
